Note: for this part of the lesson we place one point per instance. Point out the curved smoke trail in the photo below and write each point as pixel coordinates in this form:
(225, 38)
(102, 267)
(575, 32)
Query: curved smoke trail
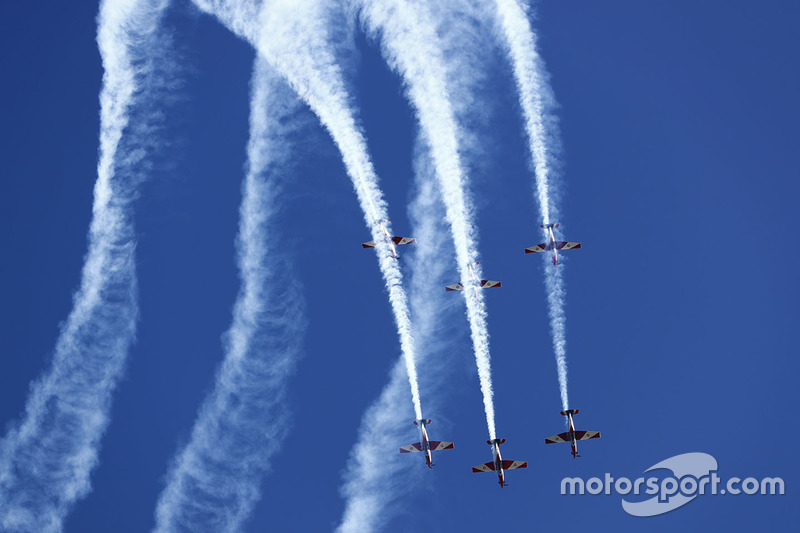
(538, 102)
(215, 479)
(377, 477)
(411, 47)
(293, 37)
(375, 474)
(46, 459)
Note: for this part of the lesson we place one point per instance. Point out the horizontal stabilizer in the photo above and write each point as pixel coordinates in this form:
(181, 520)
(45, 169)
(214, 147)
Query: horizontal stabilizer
(437, 445)
(485, 467)
(510, 465)
(555, 439)
(416, 447)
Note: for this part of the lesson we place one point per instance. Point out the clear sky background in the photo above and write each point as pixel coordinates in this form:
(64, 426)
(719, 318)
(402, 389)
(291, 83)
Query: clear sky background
(680, 131)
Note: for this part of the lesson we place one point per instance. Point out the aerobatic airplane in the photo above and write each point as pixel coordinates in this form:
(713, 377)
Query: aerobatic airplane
(552, 245)
(484, 283)
(572, 436)
(426, 446)
(391, 240)
(499, 465)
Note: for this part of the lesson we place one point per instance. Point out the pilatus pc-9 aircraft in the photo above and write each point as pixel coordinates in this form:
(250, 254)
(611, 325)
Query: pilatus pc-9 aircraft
(572, 436)
(426, 446)
(499, 465)
(391, 240)
(482, 284)
(553, 245)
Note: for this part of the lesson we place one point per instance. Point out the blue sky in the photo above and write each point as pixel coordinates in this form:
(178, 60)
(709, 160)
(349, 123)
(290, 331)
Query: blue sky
(679, 128)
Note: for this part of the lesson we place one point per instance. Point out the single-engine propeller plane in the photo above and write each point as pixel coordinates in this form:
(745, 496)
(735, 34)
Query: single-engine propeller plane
(572, 436)
(553, 245)
(499, 465)
(482, 284)
(426, 446)
(391, 240)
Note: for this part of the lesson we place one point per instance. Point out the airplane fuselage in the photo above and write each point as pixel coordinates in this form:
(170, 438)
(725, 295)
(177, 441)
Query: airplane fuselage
(426, 444)
(553, 244)
(572, 437)
(498, 464)
(475, 283)
(389, 241)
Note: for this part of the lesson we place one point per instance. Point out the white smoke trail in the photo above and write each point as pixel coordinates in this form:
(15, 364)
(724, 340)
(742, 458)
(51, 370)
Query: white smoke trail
(538, 102)
(46, 459)
(215, 480)
(293, 36)
(376, 477)
(536, 99)
(556, 294)
(375, 474)
(411, 48)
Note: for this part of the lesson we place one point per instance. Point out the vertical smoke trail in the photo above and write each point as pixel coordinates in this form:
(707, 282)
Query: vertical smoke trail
(293, 37)
(46, 459)
(537, 102)
(556, 294)
(410, 46)
(214, 482)
(536, 99)
(377, 476)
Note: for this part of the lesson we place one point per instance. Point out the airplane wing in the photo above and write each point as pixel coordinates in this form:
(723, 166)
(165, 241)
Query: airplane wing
(406, 240)
(416, 447)
(485, 467)
(441, 445)
(561, 437)
(485, 284)
(584, 435)
(543, 247)
(370, 244)
(564, 245)
(510, 465)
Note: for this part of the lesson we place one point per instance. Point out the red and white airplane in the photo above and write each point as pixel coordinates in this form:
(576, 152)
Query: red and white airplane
(499, 465)
(391, 240)
(483, 284)
(572, 436)
(553, 245)
(426, 446)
